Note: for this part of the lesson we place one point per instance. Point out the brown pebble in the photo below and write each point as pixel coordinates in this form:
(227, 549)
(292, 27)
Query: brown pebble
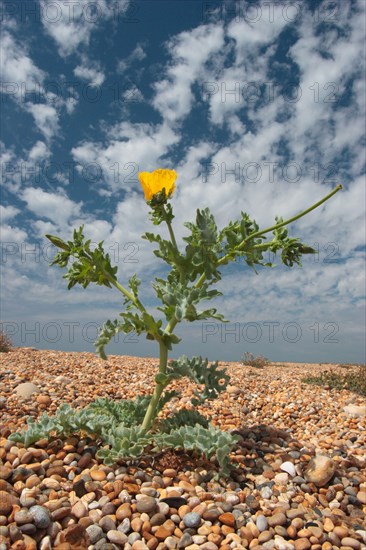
(157, 519)
(75, 534)
(136, 525)
(5, 472)
(170, 472)
(98, 475)
(152, 543)
(162, 533)
(302, 544)
(123, 511)
(79, 510)
(340, 531)
(6, 503)
(264, 536)
(277, 519)
(53, 470)
(320, 470)
(228, 519)
(146, 504)
(61, 513)
(328, 525)
(85, 460)
(349, 541)
(43, 399)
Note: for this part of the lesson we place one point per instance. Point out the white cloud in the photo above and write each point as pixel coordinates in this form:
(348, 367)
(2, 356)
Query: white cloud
(23, 81)
(91, 74)
(138, 54)
(39, 152)
(140, 146)
(8, 212)
(46, 118)
(17, 70)
(71, 25)
(11, 234)
(190, 51)
(57, 208)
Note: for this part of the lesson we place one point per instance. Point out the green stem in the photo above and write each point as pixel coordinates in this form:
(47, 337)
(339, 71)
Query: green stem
(172, 236)
(124, 291)
(174, 243)
(272, 228)
(151, 411)
(290, 220)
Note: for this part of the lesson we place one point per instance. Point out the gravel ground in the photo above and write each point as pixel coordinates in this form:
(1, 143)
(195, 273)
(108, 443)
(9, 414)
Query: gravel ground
(300, 482)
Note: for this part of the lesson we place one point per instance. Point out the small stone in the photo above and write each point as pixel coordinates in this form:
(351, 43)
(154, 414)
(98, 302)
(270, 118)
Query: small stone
(146, 504)
(171, 542)
(282, 478)
(5, 472)
(277, 519)
(266, 493)
(43, 399)
(62, 380)
(139, 545)
(186, 540)
(98, 475)
(107, 524)
(198, 539)
(361, 496)
(124, 511)
(83, 462)
(328, 525)
(261, 522)
(41, 516)
(157, 519)
(302, 544)
(355, 410)
(95, 533)
(6, 503)
(26, 389)
(320, 470)
(28, 528)
(289, 468)
(79, 510)
(170, 472)
(349, 541)
(46, 543)
(23, 516)
(117, 537)
(227, 519)
(233, 390)
(265, 536)
(192, 520)
(125, 526)
(162, 533)
(75, 534)
(293, 513)
(15, 533)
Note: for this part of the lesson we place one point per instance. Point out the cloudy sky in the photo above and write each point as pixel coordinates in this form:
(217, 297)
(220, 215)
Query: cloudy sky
(259, 106)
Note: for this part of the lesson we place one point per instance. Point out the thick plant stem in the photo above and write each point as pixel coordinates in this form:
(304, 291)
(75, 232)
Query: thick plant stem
(151, 412)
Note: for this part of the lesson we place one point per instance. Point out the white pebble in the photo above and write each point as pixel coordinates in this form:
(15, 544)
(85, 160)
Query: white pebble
(289, 468)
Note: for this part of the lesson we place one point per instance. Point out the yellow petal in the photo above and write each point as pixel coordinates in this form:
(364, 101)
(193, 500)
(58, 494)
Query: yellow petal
(154, 182)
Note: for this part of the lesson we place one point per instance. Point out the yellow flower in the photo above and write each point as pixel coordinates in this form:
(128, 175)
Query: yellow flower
(154, 182)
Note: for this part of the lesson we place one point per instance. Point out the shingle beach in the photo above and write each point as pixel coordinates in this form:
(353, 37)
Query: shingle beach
(300, 482)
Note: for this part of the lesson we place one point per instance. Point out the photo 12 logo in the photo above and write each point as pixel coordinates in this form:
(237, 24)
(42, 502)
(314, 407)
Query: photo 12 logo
(32, 333)
(270, 11)
(69, 11)
(270, 331)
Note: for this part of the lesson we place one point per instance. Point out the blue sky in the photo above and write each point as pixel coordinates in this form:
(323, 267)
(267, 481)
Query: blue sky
(259, 106)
